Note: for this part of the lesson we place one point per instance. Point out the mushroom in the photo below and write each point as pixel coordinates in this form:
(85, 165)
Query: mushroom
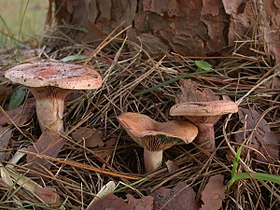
(202, 108)
(50, 83)
(155, 136)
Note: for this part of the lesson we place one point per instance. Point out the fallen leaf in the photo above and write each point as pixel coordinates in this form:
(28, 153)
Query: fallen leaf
(20, 115)
(272, 146)
(5, 135)
(107, 150)
(48, 195)
(112, 202)
(263, 142)
(180, 197)
(48, 144)
(171, 166)
(145, 203)
(214, 193)
(4, 92)
(273, 84)
(191, 92)
(91, 136)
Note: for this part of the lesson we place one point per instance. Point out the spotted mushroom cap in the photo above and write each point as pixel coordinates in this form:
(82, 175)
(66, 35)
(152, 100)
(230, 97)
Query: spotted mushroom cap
(206, 108)
(204, 112)
(62, 75)
(153, 135)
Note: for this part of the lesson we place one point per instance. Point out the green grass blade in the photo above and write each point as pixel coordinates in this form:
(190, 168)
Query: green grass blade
(241, 176)
(255, 175)
(21, 21)
(190, 75)
(9, 33)
(169, 82)
(236, 160)
(129, 185)
(259, 176)
(74, 58)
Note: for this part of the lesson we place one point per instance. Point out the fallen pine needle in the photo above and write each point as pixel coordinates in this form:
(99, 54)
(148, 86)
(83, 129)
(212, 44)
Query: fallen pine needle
(86, 167)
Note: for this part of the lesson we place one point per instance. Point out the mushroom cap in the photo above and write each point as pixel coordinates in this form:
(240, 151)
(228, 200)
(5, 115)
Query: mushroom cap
(61, 75)
(204, 109)
(153, 135)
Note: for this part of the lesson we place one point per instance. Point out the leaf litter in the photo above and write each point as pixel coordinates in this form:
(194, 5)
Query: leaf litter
(19, 115)
(214, 193)
(48, 144)
(262, 142)
(180, 197)
(127, 73)
(90, 137)
(113, 202)
(5, 135)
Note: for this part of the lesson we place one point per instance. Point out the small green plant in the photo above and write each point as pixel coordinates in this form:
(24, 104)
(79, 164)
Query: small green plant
(235, 176)
(204, 65)
(17, 98)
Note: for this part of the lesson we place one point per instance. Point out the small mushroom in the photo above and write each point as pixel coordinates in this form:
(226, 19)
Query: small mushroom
(50, 83)
(202, 108)
(155, 136)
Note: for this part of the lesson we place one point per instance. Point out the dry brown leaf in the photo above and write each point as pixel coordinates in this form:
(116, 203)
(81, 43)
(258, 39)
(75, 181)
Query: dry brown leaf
(191, 92)
(48, 195)
(48, 144)
(91, 136)
(171, 166)
(112, 202)
(273, 84)
(5, 135)
(4, 92)
(263, 141)
(180, 197)
(20, 115)
(107, 150)
(145, 203)
(213, 193)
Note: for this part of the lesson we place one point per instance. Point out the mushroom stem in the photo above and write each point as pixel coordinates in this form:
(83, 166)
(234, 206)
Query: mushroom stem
(206, 136)
(50, 107)
(50, 113)
(152, 159)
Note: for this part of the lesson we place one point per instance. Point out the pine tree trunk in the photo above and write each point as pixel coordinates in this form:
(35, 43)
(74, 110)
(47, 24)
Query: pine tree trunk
(192, 27)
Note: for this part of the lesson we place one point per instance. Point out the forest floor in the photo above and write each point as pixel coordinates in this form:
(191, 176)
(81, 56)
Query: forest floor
(242, 173)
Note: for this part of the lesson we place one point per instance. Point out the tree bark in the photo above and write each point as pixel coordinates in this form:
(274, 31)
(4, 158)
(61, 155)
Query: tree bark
(193, 27)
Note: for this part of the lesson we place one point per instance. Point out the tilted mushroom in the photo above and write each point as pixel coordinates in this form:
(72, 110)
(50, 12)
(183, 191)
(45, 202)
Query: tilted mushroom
(155, 137)
(50, 83)
(202, 108)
